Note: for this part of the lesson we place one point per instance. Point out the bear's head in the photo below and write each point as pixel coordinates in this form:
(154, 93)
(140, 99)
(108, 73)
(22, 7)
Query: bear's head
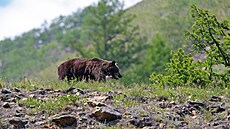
(112, 70)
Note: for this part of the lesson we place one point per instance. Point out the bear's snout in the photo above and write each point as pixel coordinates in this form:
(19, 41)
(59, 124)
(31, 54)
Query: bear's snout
(117, 76)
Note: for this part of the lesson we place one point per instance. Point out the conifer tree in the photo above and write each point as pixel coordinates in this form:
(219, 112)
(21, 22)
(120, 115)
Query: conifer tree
(109, 29)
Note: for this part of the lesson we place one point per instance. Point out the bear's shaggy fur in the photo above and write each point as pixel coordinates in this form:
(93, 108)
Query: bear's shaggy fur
(88, 69)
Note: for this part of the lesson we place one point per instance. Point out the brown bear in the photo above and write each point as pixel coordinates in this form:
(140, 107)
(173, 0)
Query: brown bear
(88, 69)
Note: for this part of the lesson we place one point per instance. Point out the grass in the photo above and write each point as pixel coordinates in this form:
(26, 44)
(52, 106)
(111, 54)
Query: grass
(128, 96)
(51, 105)
(135, 90)
(121, 100)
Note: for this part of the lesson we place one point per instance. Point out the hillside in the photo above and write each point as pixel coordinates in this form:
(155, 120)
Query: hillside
(34, 53)
(171, 19)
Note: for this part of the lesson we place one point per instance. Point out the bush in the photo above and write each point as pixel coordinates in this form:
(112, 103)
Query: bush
(183, 71)
(211, 37)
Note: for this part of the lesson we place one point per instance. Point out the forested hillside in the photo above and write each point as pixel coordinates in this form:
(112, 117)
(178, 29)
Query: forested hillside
(171, 19)
(142, 43)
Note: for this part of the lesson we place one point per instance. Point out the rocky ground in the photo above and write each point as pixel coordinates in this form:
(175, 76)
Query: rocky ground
(96, 109)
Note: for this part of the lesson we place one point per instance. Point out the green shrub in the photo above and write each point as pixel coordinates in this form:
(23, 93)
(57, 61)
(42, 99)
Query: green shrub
(209, 37)
(183, 71)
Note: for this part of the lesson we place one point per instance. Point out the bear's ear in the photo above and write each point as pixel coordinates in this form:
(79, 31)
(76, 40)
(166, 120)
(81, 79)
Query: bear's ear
(113, 62)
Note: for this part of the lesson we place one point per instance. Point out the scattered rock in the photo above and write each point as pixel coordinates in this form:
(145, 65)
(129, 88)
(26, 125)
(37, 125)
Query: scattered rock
(65, 120)
(40, 123)
(42, 92)
(17, 90)
(171, 104)
(162, 125)
(5, 98)
(141, 121)
(173, 117)
(222, 123)
(162, 98)
(219, 109)
(106, 114)
(21, 95)
(81, 91)
(70, 90)
(101, 98)
(95, 103)
(193, 113)
(32, 106)
(32, 96)
(18, 122)
(196, 103)
(95, 109)
(215, 99)
(19, 109)
(18, 97)
(10, 99)
(6, 105)
(6, 91)
(19, 114)
(162, 104)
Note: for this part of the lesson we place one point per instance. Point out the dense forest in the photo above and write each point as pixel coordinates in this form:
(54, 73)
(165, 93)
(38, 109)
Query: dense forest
(140, 39)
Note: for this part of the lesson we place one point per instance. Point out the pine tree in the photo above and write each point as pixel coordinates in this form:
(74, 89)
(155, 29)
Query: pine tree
(109, 29)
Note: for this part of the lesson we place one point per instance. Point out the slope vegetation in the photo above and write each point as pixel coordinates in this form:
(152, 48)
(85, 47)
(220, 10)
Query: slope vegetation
(34, 51)
(172, 18)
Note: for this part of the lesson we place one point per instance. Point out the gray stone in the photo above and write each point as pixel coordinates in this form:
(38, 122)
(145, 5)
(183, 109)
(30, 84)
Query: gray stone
(142, 121)
(196, 103)
(6, 105)
(18, 122)
(215, 99)
(17, 90)
(95, 103)
(65, 120)
(6, 91)
(106, 114)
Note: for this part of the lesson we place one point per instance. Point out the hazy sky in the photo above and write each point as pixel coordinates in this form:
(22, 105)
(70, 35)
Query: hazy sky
(18, 16)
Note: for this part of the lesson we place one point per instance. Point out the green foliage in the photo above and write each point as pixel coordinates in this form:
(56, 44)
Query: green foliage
(21, 57)
(182, 71)
(206, 35)
(157, 54)
(108, 30)
(210, 36)
(29, 53)
(1, 84)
